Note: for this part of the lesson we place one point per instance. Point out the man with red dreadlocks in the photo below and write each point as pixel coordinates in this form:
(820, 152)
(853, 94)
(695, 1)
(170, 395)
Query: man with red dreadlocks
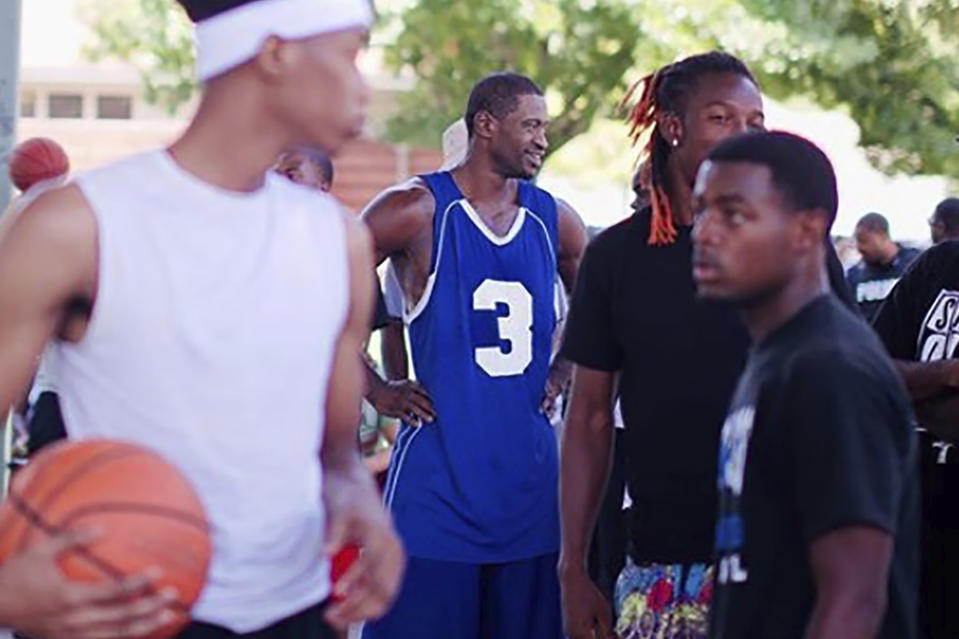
(634, 313)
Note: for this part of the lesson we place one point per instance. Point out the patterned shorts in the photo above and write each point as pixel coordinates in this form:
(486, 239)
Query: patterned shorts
(663, 601)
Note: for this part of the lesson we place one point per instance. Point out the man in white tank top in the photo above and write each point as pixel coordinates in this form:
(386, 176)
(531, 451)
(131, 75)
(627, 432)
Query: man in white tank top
(213, 288)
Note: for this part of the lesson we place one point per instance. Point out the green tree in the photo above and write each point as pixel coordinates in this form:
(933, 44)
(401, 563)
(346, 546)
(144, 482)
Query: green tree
(889, 63)
(579, 52)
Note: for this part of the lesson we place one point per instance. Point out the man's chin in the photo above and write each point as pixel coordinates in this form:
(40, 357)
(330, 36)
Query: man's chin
(712, 292)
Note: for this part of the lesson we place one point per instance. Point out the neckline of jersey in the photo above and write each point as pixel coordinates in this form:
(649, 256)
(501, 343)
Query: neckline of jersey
(202, 188)
(498, 240)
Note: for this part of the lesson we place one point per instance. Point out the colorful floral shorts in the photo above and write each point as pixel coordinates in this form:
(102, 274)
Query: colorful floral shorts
(663, 601)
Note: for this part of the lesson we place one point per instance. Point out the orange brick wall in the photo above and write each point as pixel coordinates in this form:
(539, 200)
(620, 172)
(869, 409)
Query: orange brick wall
(366, 167)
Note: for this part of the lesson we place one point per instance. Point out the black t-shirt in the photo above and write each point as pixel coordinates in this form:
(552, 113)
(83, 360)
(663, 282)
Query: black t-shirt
(871, 283)
(819, 436)
(634, 311)
(920, 319)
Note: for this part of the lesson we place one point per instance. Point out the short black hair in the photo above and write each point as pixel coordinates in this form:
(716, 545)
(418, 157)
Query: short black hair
(801, 172)
(874, 222)
(319, 158)
(947, 212)
(200, 10)
(322, 160)
(498, 94)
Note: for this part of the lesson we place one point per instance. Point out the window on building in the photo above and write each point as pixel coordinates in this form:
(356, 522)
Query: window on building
(28, 105)
(114, 107)
(66, 105)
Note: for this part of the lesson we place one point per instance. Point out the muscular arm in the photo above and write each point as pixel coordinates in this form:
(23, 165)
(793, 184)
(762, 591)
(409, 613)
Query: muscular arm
(850, 569)
(400, 221)
(934, 389)
(393, 351)
(398, 217)
(585, 462)
(572, 244)
(48, 257)
(927, 379)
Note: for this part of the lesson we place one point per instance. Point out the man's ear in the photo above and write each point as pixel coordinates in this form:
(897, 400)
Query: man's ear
(670, 127)
(812, 227)
(273, 58)
(485, 124)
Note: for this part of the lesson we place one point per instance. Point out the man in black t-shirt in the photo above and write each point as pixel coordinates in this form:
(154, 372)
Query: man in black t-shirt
(634, 316)
(817, 535)
(919, 324)
(944, 223)
(883, 263)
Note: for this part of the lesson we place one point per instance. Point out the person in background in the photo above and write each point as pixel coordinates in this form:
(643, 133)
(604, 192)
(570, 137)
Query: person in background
(313, 168)
(883, 263)
(944, 223)
(309, 167)
(477, 250)
(919, 324)
(637, 332)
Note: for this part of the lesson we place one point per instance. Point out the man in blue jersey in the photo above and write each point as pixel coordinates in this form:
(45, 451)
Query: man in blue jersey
(477, 250)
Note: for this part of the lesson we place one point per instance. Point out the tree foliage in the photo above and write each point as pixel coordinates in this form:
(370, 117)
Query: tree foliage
(579, 52)
(891, 64)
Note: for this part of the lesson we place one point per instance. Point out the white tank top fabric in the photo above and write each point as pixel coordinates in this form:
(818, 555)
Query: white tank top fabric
(211, 341)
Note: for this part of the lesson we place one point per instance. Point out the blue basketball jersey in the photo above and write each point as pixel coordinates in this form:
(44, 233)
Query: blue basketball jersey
(479, 485)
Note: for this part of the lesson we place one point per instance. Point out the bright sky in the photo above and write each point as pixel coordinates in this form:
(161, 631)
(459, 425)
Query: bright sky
(53, 35)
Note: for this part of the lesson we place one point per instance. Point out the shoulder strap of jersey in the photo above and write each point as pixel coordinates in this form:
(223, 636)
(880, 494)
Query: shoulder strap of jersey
(543, 206)
(446, 193)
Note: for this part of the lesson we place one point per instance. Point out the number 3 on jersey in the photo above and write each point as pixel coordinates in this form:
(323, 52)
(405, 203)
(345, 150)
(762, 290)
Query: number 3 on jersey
(516, 327)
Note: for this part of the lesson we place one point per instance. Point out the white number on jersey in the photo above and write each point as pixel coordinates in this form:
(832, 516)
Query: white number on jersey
(516, 327)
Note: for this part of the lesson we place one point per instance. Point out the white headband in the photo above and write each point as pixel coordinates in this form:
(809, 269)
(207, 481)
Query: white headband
(231, 38)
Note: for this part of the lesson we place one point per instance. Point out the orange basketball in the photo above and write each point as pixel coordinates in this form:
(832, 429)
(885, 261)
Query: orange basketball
(148, 512)
(35, 160)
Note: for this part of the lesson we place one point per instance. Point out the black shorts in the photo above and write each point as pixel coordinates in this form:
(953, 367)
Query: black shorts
(308, 624)
(939, 468)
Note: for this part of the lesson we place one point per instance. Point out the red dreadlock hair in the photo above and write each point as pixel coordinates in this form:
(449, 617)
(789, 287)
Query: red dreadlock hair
(667, 90)
(642, 121)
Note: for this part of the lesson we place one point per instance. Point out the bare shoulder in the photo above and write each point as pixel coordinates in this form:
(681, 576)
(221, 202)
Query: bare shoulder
(567, 213)
(59, 224)
(572, 229)
(60, 220)
(410, 198)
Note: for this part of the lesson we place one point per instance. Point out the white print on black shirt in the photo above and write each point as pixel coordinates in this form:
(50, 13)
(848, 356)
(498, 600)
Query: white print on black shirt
(939, 333)
(733, 449)
(938, 338)
(874, 291)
